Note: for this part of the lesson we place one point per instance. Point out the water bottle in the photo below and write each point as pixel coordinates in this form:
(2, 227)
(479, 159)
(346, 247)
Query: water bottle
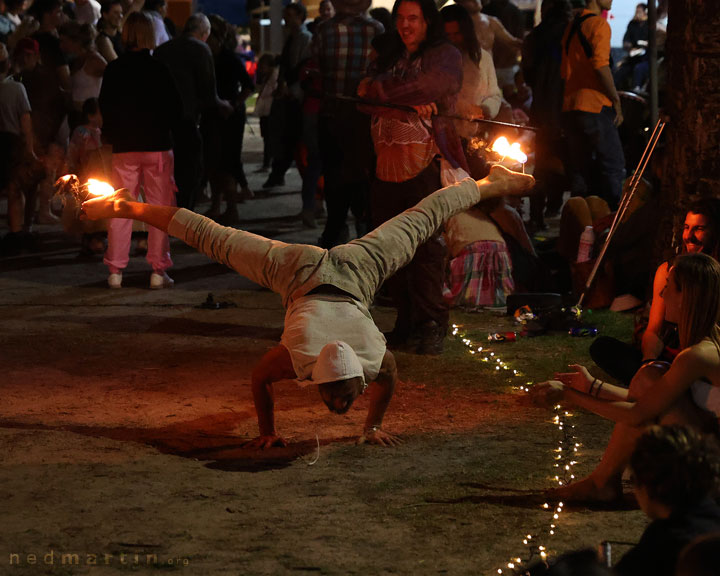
(587, 241)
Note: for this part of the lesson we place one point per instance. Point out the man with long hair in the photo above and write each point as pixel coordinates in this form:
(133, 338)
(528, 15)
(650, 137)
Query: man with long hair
(416, 66)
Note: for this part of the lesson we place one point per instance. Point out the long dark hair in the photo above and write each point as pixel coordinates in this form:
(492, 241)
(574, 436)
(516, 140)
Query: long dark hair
(457, 13)
(391, 48)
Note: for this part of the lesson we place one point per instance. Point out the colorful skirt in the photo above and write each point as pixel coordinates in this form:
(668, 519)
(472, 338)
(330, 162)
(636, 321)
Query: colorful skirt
(479, 276)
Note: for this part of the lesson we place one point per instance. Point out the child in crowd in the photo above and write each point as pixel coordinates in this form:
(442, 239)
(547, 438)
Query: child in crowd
(266, 79)
(84, 158)
(84, 150)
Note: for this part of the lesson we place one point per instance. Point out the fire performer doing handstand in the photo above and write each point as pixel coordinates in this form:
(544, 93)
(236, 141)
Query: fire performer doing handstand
(330, 338)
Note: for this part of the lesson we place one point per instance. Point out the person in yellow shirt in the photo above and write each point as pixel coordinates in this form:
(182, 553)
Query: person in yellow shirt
(591, 106)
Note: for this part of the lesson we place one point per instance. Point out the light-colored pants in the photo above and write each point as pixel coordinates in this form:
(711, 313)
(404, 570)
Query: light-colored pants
(154, 170)
(358, 268)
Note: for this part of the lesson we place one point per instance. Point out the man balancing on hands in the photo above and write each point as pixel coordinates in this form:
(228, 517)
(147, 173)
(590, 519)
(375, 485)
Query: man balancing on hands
(330, 338)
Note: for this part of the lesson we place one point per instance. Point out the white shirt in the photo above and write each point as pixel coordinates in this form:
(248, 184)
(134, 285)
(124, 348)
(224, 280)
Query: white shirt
(313, 321)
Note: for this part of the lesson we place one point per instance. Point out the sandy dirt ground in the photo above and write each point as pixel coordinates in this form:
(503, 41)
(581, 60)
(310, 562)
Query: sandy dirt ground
(123, 416)
(122, 424)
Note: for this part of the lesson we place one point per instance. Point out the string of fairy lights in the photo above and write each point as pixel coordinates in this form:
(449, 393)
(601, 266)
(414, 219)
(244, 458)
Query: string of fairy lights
(564, 455)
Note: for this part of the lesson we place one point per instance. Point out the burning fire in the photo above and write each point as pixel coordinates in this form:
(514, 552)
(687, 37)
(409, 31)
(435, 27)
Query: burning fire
(98, 188)
(507, 150)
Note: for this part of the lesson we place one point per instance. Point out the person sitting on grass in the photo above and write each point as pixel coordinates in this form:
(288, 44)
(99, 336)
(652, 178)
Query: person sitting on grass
(329, 338)
(686, 392)
(676, 471)
(701, 233)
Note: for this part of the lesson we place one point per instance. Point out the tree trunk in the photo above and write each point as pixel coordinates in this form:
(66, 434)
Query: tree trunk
(692, 100)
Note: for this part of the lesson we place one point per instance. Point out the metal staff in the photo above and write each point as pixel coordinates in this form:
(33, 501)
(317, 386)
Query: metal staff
(406, 108)
(635, 180)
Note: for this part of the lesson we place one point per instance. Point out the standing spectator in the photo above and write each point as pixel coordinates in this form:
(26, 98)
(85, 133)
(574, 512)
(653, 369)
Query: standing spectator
(137, 123)
(635, 43)
(87, 66)
(506, 56)
(109, 40)
(266, 78)
(16, 152)
(47, 86)
(87, 11)
(541, 57)
(10, 18)
(223, 137)
(383, 16)
(326, 10)
(191, 65)
(416, 67)
(490, 30)
(286, 114)
(591, 105)
(156, 10)
(480, 96)
(341, 49)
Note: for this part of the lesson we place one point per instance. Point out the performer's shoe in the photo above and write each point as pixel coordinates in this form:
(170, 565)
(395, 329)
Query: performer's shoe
(432, 337)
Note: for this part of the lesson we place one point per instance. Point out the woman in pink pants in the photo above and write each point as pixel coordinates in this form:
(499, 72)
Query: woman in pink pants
(140, 104)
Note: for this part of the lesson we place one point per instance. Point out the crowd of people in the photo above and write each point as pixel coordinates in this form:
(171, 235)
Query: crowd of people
(410, 86)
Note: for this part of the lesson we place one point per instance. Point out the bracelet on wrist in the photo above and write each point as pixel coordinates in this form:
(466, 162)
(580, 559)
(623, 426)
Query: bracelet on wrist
(592, 385)
(371, 429)
(599, 387)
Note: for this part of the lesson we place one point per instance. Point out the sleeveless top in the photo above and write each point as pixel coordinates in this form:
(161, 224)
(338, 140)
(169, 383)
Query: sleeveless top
(85, 86)
(706, 396)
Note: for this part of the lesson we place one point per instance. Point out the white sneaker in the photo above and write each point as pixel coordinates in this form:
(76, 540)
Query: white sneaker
(161, 280)
(115, 280)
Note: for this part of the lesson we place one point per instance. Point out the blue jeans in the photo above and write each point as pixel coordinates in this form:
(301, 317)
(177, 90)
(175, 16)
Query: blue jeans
(595, 154)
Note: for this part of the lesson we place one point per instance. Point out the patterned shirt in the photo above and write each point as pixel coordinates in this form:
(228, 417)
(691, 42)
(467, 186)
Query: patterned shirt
(341, 48)
(434, 77)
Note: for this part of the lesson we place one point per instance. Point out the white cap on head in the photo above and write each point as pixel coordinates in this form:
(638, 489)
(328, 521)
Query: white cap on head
(336, 361)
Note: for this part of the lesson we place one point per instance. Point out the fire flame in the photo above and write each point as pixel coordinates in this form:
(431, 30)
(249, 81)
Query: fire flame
(507, 150)
(98, 188)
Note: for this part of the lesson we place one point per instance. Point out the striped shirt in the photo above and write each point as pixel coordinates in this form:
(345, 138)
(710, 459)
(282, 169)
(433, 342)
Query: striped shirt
(341, 48)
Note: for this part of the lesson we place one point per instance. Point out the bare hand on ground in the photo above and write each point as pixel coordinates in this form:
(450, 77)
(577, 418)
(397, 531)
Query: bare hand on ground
(379, 437)
(579, 380)
(547, 393)
(263, 442)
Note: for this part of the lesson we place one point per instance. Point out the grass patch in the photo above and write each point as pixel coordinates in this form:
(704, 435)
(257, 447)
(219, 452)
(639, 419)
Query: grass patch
(535, 358)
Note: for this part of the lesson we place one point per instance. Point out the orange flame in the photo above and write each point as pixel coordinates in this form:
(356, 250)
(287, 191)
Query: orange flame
(507, 150)
(98, 188)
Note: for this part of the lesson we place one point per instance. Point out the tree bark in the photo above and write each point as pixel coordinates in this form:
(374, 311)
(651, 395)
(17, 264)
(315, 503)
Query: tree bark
(692, 101)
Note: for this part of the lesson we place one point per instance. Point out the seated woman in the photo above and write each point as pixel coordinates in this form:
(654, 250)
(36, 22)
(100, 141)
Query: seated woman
(676, 471)
(701, 233)
(480, 271)
(688, 392)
